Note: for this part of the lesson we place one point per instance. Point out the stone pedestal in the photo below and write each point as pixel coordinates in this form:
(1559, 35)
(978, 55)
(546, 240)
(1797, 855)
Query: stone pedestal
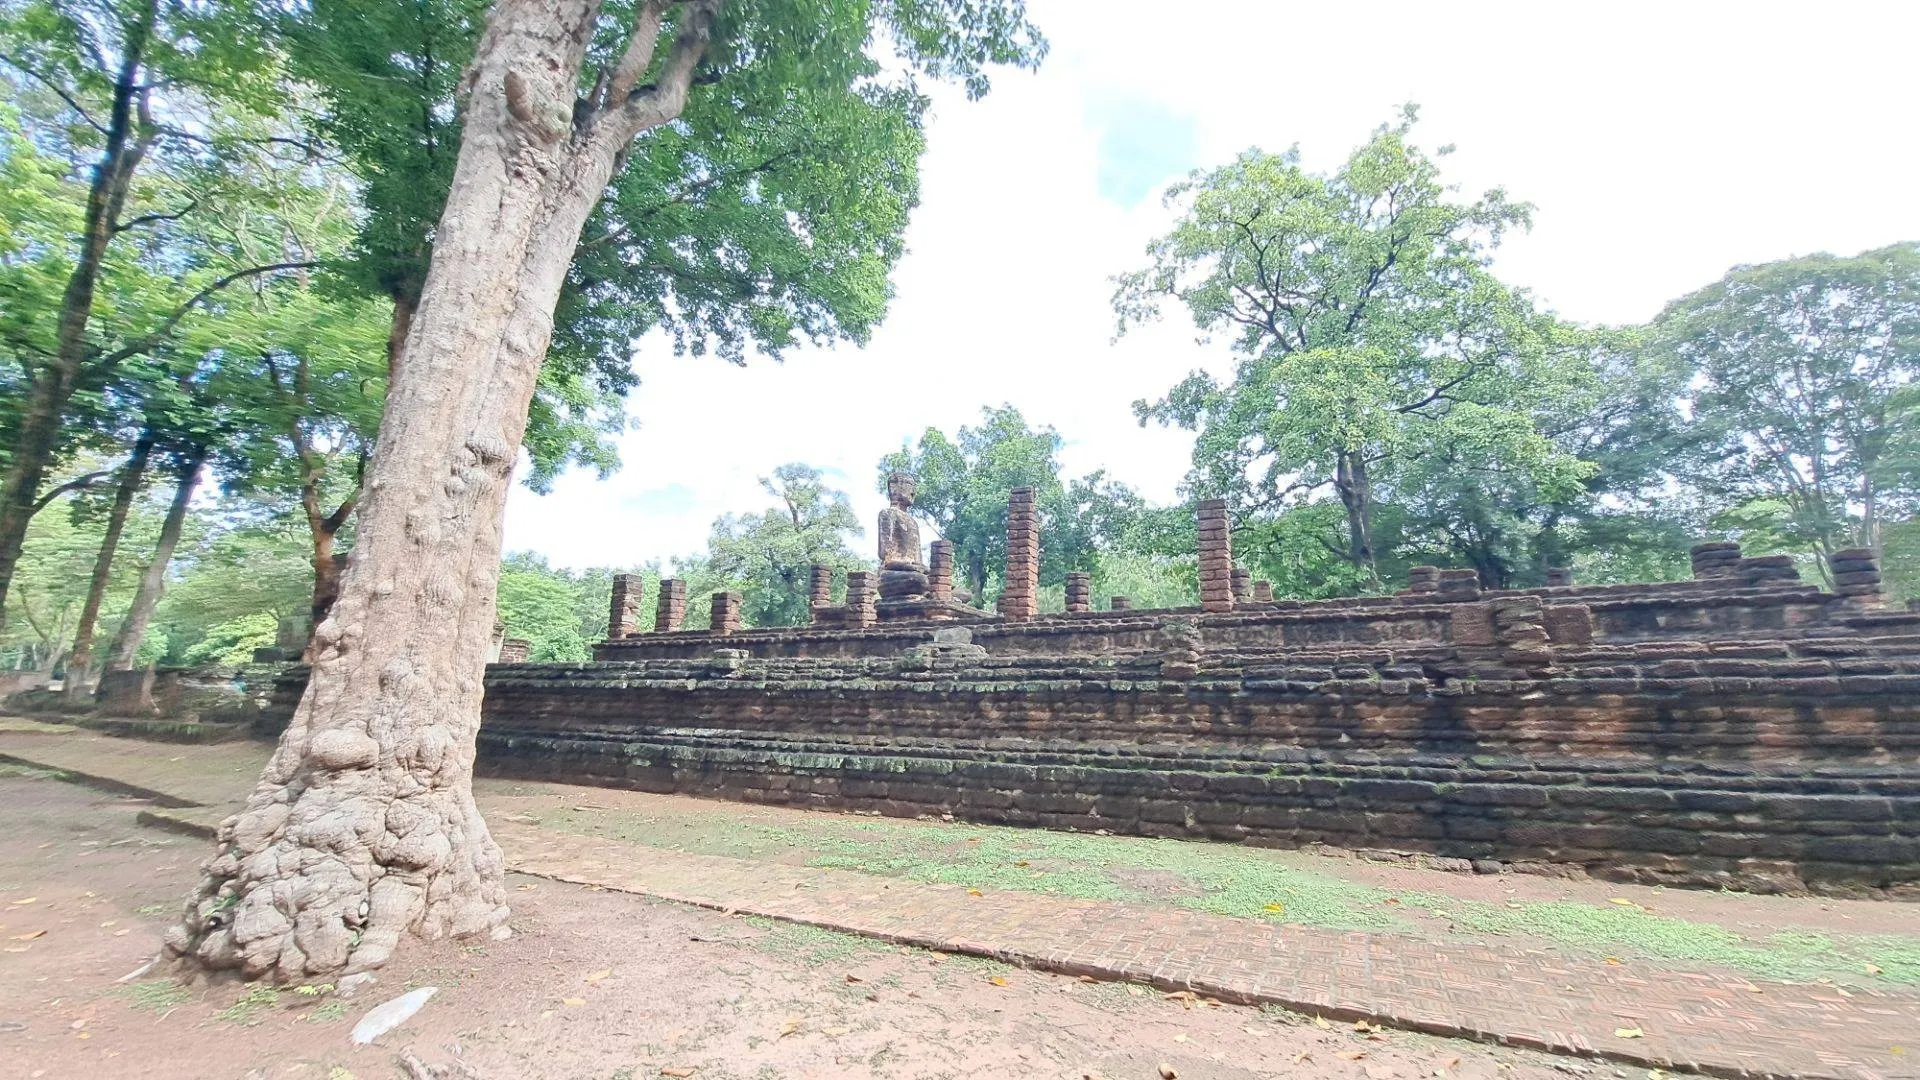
(1242, 581)
(903, 582)
(1263, 592)
(1120, 603)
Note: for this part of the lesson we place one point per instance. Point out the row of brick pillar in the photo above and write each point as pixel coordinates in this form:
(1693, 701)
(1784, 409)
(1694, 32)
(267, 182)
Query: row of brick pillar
(1223, 586)
(670, 609)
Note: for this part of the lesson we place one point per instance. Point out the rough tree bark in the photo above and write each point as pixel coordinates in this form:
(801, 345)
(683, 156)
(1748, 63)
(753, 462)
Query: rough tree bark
(153, 580)
(363, 826)
(80, 656)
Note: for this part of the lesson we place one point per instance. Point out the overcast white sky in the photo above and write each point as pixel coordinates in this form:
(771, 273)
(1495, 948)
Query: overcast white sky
(1661, 143)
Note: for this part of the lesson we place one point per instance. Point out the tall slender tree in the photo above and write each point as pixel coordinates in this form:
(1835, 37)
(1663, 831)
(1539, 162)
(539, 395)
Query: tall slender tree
(363, 827)
(124, 71)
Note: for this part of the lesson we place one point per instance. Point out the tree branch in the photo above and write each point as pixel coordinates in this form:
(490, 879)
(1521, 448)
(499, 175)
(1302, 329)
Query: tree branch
(58, 90)
(75, 484)
(639, 54)
(152, 219)
(148, 341)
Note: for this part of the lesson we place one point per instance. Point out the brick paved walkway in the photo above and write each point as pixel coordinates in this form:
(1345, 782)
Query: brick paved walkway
(1719, 1024)
(1715, 1023)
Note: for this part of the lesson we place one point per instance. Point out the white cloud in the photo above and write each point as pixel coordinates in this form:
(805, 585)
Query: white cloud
(1662, 144)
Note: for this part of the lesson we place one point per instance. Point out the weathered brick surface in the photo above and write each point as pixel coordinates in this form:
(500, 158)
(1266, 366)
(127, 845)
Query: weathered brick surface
(1762, 765)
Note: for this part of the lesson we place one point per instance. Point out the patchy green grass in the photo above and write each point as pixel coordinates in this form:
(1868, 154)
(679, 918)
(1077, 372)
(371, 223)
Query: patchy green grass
(1625, 930)
(1236, 881)
(811, 944)
(156, 995)
(252, 1007)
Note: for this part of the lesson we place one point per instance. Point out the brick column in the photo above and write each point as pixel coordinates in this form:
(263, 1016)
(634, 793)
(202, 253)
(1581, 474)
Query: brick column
(515, 650)
(726, 613)
(861, 594)
(940, 572)
(1423, 579)
(1263, 592)
(1558, 576)
(1242, 581)
(1716, 560)
(1856, 574)
(1216, 556)
(623, 616)
(672, 606)
(819, 592)
(1020, 594)
(1120, 603)
(1462, 584)
(1079, 591)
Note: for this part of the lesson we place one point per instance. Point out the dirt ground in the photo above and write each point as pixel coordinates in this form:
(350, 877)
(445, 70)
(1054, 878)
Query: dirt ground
(604, 985)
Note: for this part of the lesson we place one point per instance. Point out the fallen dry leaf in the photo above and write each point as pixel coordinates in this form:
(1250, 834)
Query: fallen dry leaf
(1167, 1072)
(1614, 960)
(573, 1001)
(835, 1030)
(678, 1070)
(1022, 862)
(1351, 1055)
(789, 1026)
(1277, 908)
(1186, 998)
(1255, 1032)
(1182, 1037)
(26, 900)
(29, 936)
(1873, 969)
(1362, 1025)
(1627, 1033)
(852, 978)
(975, 892)
(1321, 1023)
(1136, 991)
(596, 976)
(1622, 901)
(998, 980)
(1303, 1055)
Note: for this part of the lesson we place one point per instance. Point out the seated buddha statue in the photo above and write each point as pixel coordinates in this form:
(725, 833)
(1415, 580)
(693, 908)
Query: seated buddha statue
(903, 576)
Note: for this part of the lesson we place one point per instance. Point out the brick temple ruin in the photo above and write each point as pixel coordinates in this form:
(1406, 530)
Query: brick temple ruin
(1742, 729)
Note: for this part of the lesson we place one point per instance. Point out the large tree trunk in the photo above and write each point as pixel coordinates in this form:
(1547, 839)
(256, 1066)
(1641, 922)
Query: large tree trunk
(51, 386)
(326, 581)
(1356, 494)
(153, 581)
(363, 826)
(132, 474)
